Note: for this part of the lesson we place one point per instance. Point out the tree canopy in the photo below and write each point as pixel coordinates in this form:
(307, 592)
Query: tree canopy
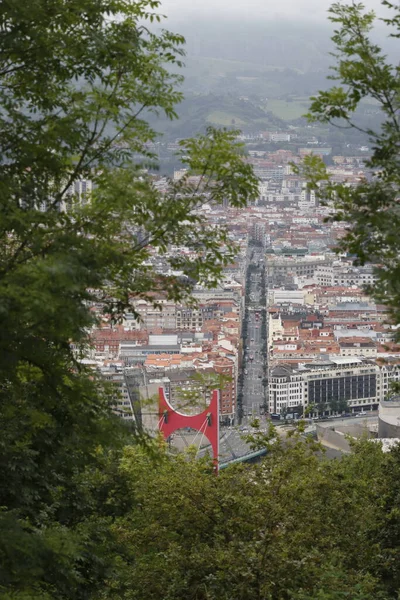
(296, 526)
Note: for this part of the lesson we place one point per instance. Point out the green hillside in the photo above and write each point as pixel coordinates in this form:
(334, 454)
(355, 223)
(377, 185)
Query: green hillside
(291, 109)
(198, 111)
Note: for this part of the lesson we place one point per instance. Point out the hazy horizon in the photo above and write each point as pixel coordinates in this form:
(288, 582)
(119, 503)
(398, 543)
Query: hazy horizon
(297, 36)
(262, 9)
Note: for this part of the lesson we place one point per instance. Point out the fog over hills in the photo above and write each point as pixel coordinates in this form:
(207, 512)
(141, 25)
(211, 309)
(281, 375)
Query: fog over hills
(274, 64)
(288, 42)
(280, 43)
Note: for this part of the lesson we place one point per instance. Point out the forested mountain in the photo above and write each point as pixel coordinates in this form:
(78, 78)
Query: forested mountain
(197, 111)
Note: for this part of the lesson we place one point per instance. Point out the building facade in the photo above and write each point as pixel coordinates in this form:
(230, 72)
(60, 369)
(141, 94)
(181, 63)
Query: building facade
(302, 266)
(355, 381)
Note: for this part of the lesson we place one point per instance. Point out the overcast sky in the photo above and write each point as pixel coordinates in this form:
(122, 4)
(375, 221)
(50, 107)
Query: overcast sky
(270, 9)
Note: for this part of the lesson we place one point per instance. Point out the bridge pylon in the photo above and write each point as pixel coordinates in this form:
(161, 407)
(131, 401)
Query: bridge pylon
(206, 422)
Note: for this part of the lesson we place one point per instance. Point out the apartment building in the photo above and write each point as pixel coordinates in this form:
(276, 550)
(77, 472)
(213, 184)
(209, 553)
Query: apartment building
(344, 275)
(390, 374)
(354, 380)
(279, 296)
(114, 373)
(156, 318)
(358, 346)
(269, 173)
(80, 191)
(189, 318)
(279, 137)
(263, 190)
(300, 266)
(282, 196)
(308, 199)
(258, 232)
(226, 367)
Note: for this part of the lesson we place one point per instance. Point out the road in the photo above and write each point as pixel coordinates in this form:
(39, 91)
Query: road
(253, 392)
(253, 372)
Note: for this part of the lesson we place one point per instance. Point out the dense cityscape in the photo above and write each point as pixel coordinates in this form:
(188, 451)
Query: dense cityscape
(291, 324)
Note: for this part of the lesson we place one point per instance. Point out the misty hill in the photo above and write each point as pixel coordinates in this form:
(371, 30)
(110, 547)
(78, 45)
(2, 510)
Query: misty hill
(216, 75)
(250, 74)
(198, 111)
(258, 56)
(270, 59)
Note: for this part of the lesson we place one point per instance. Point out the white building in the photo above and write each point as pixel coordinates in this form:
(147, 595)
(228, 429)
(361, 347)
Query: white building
(344, 275)
(179, 173)
(362, 383)
(263, 190)
(277, 296)
(78, 193)
(300, 266)
(122, 404)
(280, 137)
(154, 318)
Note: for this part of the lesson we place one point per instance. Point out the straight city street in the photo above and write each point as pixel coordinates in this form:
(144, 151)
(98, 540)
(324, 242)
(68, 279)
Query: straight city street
(253, 360)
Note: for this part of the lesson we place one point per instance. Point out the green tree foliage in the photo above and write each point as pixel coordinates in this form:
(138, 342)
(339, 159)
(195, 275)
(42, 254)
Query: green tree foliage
(371, 209)
(343, 406)
(333, 405)
(76, 79)
(292, 527)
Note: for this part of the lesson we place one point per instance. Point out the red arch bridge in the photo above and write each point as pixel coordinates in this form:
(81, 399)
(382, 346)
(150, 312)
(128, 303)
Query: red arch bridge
(226, 449)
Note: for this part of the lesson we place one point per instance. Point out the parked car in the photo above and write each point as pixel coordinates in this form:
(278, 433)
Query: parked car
(361, 414)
